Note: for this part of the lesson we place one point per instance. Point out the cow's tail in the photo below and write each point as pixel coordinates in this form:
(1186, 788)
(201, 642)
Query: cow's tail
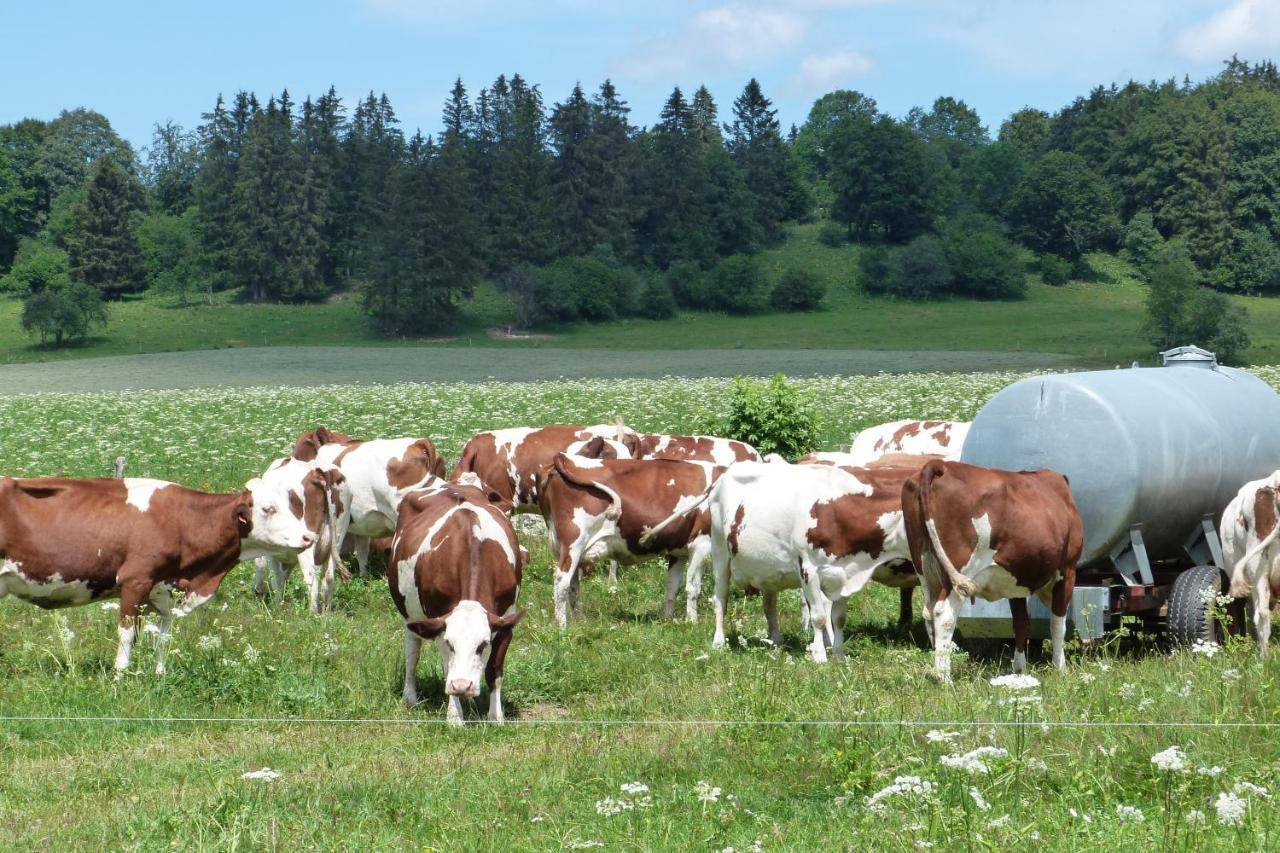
(646, 537)
(1239, 583)
(466, 461)
(960, 582)
(563, 468)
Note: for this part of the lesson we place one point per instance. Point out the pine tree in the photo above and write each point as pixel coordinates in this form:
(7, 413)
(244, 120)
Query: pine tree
(321, 144)
(214, 195)
(755, 142)
(571, 176)
(703, 120)
(103, 247)
(612, 151)
(519, 212)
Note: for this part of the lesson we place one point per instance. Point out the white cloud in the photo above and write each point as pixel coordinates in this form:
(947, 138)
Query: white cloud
(823, 73)
(727, 35)
(1247, 27)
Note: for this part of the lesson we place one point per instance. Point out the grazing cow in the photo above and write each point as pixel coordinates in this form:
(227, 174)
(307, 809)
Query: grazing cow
(509, 461)
(597, 508)
(825, 529)
(848, 460)
(917, 438)
(65, 542)
(1249, 529)
(380, 473)
(320, 495)
(695, 448)
(454, 575)
(997, 534)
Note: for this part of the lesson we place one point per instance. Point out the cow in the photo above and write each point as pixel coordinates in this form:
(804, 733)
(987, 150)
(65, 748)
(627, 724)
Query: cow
(598, 508)
(932, 438)
(380, 473)
(320, 494)
(66, 542)
(510, 461)
(825, 529)
(694, 448)
(1249, 529)
(454, 575)
(996, 534)
(849, 460)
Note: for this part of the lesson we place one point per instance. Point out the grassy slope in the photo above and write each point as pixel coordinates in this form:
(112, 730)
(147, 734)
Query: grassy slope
(1095, 323)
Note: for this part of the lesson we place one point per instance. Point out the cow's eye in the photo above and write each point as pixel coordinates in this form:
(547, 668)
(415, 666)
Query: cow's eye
(269, 510)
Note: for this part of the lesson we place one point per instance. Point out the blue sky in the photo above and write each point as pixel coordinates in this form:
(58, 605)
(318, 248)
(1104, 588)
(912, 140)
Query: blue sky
(140, 62)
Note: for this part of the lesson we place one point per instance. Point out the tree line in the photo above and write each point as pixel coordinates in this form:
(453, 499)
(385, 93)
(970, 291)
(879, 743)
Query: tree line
(580, 214)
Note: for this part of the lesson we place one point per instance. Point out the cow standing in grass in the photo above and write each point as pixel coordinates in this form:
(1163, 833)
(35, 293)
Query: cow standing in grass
(454, 575)
(1250, 526)
(65, 542)
(996, 534)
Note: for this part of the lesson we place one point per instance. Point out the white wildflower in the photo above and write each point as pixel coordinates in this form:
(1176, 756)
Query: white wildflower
(1146, 703)
(1003, 820)
(1231, 809)
(1034, 835)
(537, 819)
(609, 806)
(903, 786)
(66, 634)
(1015, 682)
(266, 774)
(1086, 817)
(921, 844)
(1251, 789)
(1173, 760)
(110, 605)
(151, 628)
(1211, 772)
(1035, 763)
(1103, 665)
(706, 792)
(1129, 814)
(1231, 674)
(1088, 677)
(251, 654)
(939, 736)
(584, 845)
(1021, 701)
(1128, 690)
(209, 642)
(634, 788)
(979, 800)
(974, 761)
(742, 641)
(1195, 817)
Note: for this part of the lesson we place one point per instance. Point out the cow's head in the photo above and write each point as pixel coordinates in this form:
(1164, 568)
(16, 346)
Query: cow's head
(268, 522)
(465, 636)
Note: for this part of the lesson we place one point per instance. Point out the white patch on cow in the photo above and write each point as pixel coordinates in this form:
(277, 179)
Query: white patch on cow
(671, 482)
(54, 591)
(465, 646)
(993, 582)
(140, 490)
(585, 462)
(877, 441)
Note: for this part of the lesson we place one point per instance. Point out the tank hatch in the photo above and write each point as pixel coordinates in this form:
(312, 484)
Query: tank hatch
(1188, 356)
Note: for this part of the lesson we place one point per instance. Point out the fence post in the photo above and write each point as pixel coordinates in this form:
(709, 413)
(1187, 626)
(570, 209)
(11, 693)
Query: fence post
(119, 468)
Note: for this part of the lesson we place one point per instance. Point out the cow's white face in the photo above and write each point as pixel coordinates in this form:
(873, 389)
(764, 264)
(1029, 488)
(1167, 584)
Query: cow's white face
(275, 528)
(464, 643)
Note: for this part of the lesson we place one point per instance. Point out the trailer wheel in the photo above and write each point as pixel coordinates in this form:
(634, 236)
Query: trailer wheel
(1190, 617)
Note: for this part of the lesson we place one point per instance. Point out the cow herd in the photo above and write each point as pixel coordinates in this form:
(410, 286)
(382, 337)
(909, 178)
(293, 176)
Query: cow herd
(897, 509)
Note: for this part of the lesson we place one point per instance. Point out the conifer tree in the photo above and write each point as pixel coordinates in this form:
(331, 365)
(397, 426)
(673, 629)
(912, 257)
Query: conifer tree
(755, 141)
(103, 245)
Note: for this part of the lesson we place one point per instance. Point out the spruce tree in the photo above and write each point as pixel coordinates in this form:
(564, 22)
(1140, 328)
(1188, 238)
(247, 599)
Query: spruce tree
(103, 245)
(214, 195)
(755, 141)
(572, 173)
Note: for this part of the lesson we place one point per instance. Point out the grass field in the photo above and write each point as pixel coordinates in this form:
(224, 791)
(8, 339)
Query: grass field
(627, 732)
(1095, 324)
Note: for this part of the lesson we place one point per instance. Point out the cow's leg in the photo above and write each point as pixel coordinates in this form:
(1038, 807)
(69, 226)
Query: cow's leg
(720, 594)
(412, 651)
(575, 591)
(307, 563)
(819, 608)
(133, 594)
(360, 545)
(675, 568)
(280, 570)
(839, 609)
(613, 576)
(694, 566)
(1260, 600)
(1059, 601)
(806, 618)
(261, 571)
(1021, 633)
(453, 710)
(905, 616)
(926, 608)
(945, 610)
(330, 572)
(769, 600)
(162, 601)
(493, 674)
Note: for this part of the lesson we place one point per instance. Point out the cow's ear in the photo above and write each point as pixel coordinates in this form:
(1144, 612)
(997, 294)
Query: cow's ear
(428, 628)
(243, 515)
(501, 623)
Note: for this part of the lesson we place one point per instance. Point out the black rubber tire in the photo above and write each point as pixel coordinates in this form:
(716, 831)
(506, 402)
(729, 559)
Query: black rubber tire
(1189, 616)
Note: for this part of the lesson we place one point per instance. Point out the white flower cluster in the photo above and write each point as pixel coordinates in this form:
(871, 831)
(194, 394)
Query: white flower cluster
(634, 788)
(903, 786)
(609, 806)
(707, 793)
(1231, 809)
(974, 761)
(266, 774)
(1208, 648)
(979, 800)
(1021, 701)
(1130, 814)
(209, 642)
(1172, 760)
(939, 736)
(1016, 682)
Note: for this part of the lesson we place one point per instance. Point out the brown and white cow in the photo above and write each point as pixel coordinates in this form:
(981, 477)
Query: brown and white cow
(996, 534)
(944, 439)
(1249, 531)
(848, 460)
(603, 508)
(694, 448)
(320, 496)
(510, 461)
(380, 473)
(454, 575)
(65, 542)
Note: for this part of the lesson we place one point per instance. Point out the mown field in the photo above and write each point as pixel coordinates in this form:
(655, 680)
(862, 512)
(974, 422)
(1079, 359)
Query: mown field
(627, 732)
(1094, 323)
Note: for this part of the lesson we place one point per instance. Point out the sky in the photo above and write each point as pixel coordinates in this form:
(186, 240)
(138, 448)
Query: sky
(140, 63)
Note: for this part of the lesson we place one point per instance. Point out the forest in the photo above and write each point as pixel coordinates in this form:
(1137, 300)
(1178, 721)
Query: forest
(581, 214)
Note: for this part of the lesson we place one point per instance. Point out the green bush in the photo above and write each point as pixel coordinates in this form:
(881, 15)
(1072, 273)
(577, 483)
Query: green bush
(1180, 311)
(688, 284)
(1141, 239)
(879, 270)
(772, 417)
(584, 288)
(64, 314)
(656, 301)
(1053, 269)
(984, 262)
(833, 234)
(737, 285)
(797, 290)
(37, 267)
(922, 270)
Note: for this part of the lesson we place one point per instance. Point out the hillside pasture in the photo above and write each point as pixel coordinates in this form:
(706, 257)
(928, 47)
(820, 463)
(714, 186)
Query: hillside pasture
(627, 731)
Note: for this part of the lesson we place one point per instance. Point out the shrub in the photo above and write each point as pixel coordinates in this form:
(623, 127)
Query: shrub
(772, 417)
(797, 290)
(1141, 239)
(656, 301)
(922, 269)
(833, 234)
(63, 313)
(37, 267)
(984, 262)
(1252, 264)
(688, 284)
(1053, 269)
(578, 288)
(879, 270)
(737, 285)
(1180, 311)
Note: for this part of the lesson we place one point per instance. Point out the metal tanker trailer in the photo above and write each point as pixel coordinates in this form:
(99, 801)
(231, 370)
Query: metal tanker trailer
(1153, 456)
